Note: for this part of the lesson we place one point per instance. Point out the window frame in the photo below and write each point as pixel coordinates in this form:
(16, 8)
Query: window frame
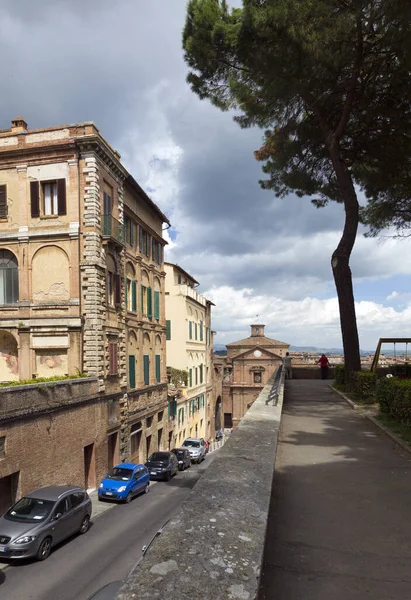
(4, 209)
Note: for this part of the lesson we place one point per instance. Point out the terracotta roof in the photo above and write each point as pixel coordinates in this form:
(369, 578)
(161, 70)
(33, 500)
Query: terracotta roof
(257, 340)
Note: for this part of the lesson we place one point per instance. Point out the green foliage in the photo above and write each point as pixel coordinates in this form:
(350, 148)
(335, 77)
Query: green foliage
(364, 386)
(177, 377)
(339, 373)
(394, 398)
(403, 431)
(42, 380)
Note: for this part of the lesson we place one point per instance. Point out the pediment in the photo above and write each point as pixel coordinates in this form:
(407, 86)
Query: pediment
(249, 354)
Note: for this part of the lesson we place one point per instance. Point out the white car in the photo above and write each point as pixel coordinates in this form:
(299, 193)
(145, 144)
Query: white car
(196, 447)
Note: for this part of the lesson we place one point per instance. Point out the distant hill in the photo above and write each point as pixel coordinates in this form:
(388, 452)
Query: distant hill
(221, 350)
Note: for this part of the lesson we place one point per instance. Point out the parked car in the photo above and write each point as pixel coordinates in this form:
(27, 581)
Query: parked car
(123, 482)
(42, 519)
(206, 445)
(162, 465)
(196, 448)
(183, 457)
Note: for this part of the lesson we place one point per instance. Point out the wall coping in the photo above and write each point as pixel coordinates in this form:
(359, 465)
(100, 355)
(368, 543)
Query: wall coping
(213, 547)
(35, 386)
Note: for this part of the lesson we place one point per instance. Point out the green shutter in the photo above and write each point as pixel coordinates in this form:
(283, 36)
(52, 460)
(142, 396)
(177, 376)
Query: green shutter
(131, 233)
(146, 369)
(149, 303)
(142, 299)
(201, 331)
(157, 305)
(158, 373)
(191, 378)
(169, 409)
(201, 373)
(190, 330)
(168, 330)
(196, 370)
(132, 371)
(134, 296)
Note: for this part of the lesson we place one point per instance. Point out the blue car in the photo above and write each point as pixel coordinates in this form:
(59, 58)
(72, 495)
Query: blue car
(123, 482)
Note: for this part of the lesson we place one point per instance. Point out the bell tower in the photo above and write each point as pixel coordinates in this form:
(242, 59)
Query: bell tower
(257, 330)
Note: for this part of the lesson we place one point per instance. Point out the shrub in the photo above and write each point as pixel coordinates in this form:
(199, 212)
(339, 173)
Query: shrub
(394, 398)
(339, 373)
(364, 386)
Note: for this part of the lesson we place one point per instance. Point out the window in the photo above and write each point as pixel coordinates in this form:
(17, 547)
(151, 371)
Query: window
(113, 358)
(131, 295)
(146, 359)
(129, 229)
(149, 421)
(141, 238)
(113, 282)
(107, 204)
(196, 372)
(147, 246)
(154, 251)
(48, 198)
(257, 377)
(195, 330)
(157, 305)
(132, 371)
(158, 368)
(149, 303)
(144, 300)
(2, 446)
(190, 330)
(228, 420)
(160, 416)
(135, 437)
(76, 499)
(9, 278)
(179, 279)
(3, 202)
(190, 378)
(201, 373)
(168, 330)
(201, 331)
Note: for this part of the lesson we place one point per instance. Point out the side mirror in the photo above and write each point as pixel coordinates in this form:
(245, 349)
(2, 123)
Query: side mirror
(58, 516)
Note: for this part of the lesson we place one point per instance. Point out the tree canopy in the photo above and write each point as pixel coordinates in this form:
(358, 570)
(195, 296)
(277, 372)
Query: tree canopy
(329, 82)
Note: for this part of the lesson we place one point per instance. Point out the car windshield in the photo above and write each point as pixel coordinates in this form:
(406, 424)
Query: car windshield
(156, 456)
(192, 444)
(31, 510)
(120, 474)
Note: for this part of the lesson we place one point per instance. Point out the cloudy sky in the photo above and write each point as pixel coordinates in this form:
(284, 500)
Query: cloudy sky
(120, 64)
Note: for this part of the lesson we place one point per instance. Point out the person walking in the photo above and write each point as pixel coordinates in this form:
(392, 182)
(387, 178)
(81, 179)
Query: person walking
(288, 366)
(324, 364)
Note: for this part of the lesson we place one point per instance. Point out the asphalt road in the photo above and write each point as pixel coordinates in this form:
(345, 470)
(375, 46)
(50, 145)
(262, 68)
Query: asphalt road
(109, 550)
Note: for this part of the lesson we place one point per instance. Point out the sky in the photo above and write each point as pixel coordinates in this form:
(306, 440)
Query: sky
(258, 258)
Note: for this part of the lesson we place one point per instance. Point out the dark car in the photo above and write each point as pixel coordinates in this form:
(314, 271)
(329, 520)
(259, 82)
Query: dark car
(162, 465)
(43, 519)
(183, 457)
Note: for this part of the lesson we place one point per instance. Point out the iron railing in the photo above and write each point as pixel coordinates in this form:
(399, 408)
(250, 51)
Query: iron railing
(112, 228)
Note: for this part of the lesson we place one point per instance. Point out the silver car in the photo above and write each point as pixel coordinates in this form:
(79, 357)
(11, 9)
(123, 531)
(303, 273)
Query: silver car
(43, 519)
(196, 447)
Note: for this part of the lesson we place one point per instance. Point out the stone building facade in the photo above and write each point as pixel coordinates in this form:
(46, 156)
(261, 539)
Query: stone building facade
(249, 365)
(189, 348)
(81, 291)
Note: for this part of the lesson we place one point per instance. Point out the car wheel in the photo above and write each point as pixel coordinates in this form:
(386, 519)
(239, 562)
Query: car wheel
(168, 476)
(128, 498)
(44, 550)
(85, 524)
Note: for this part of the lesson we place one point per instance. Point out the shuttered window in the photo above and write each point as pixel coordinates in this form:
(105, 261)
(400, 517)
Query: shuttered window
(144, 300)
(147, 248)
(132, 371)
(201, 373)
(190, 378)
(154, 250)
(158, 368)
(140, 238)
(3, 202)
(157, 305)
(201, 331)
(196, 373)
(134, 296)
(35, 198)
(149, 303)
(190, 330)
(48, 198)
(195, 330)
(168, 330)
(146, 359)
(113, 358)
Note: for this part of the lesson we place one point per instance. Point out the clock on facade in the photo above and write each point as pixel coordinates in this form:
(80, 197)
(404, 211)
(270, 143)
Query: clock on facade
(257, 353)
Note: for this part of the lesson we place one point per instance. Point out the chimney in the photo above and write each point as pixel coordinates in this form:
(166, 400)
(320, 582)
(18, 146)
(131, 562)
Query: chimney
(257, 330)
(18, 124)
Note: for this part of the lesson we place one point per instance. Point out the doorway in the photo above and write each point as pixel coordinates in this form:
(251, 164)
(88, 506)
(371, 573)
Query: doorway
(89, 467)
(148, 446)
(8, 491)
(112, 446)
(159, 438)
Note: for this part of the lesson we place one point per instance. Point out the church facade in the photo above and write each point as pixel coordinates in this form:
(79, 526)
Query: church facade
(249, 365)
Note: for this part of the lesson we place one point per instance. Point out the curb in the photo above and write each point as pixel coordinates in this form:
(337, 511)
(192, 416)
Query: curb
(376, 422)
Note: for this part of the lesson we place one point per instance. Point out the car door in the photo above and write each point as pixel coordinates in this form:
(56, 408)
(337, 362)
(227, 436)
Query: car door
(135, 482)
(174, 466)
(77, 509)
(61, 522)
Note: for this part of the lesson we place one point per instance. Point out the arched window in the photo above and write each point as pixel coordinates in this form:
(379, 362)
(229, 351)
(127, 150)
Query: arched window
(9, 278)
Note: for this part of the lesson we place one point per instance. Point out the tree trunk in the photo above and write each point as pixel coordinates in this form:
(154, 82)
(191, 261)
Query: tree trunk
(341, 267)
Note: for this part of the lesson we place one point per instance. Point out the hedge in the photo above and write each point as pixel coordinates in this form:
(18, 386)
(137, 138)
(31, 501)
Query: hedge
(363, 384)
(339, 374)
(394, 398)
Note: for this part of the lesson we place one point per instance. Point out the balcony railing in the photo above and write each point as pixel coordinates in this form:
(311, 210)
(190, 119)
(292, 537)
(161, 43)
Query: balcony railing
(113, 229)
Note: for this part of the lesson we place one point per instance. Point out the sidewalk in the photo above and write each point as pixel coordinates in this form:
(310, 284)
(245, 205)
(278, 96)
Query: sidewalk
(339, 526)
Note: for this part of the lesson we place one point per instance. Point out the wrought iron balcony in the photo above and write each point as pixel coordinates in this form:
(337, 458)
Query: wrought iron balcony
(113, 229)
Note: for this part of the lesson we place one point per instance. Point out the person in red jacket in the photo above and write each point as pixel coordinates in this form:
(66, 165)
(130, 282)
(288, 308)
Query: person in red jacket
(324, 364)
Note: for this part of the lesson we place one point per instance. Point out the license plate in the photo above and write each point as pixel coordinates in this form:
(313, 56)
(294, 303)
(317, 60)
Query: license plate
(3, 549)
(109, 493)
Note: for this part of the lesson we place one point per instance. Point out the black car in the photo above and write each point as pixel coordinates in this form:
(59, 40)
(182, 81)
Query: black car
(183, 457)
(162, 465)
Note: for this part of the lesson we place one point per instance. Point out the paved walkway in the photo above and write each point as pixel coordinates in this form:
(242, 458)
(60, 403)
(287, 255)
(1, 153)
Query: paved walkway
(340, 518)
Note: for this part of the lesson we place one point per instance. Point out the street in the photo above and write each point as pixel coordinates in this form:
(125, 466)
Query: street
(107, 552)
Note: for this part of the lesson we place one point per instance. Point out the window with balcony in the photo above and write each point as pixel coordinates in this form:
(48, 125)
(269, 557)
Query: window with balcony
(9, 278)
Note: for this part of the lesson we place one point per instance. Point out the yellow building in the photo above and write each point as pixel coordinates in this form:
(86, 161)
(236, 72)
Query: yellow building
(189, 349)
